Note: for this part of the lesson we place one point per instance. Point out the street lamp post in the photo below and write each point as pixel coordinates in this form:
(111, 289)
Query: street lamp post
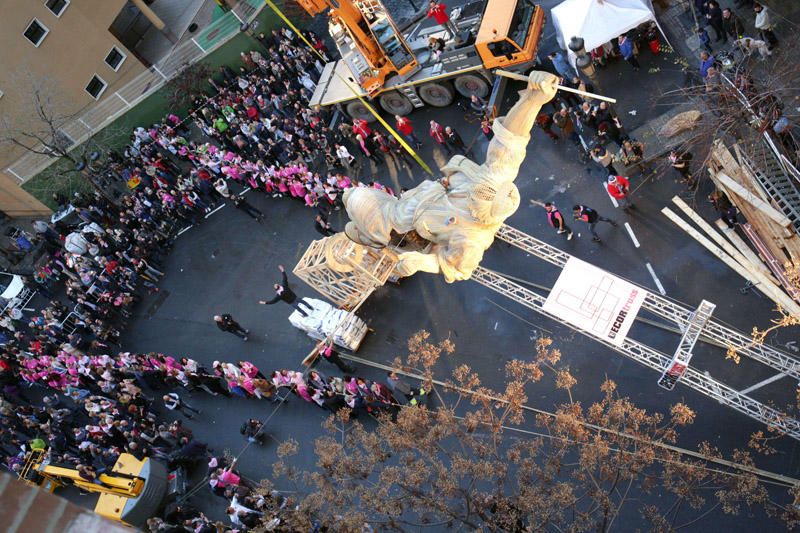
(583, 61)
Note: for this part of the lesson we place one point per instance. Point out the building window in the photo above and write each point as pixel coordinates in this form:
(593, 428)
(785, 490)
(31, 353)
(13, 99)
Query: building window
(57, 7)
(115, 58)
(96, 86)
(36, 32)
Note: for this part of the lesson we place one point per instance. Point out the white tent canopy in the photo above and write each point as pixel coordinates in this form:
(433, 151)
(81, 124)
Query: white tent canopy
(599, 21)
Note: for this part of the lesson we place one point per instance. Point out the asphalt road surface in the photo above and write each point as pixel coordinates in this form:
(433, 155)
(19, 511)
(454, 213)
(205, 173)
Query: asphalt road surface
(230, 261)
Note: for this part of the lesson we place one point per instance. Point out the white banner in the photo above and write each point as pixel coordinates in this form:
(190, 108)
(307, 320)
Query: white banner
(595, 301)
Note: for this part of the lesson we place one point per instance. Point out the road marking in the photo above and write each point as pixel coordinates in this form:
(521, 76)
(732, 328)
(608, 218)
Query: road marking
(246, 190)
(613, 200)
(760, 384)
(655, 278)
(214, 211)
(633, 237)
(184, 230)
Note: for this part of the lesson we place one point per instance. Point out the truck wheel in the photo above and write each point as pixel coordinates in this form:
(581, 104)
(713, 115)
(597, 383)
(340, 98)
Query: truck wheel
(395, 103)
(358, 110)
(469, 84)
(436, 94)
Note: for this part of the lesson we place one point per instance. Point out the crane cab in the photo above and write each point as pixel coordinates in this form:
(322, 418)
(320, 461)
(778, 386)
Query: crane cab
(509, 33)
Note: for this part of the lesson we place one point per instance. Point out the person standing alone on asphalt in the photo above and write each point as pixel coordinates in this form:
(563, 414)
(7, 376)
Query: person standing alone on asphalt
(173, 402)
(620, 188)
(563, 120)
(681, 161)
(561, 65)
(368, 149)
(486, 128)
(591, 217)
(731, 24)
(241, 203)
(714, 18)
(454, 140)
(605, 159)
(327, 353)
(323, 227)
(764, 26)
(706, 62)
(632, 154)
(284, 293)
(545, 122)
(360, 127)
(227, 323)
(437, 133)
(556, 219)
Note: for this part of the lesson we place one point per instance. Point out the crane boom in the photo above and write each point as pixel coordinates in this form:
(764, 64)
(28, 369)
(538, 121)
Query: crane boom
(368, 31)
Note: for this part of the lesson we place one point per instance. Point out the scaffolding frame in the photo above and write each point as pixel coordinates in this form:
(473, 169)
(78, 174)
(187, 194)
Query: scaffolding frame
(650, 357)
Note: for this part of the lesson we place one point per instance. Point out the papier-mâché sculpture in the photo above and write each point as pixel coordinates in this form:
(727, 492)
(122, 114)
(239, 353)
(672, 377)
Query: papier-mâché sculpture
(461, 213)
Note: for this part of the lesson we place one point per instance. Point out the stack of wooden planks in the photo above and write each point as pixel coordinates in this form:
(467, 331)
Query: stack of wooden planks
(774, 249)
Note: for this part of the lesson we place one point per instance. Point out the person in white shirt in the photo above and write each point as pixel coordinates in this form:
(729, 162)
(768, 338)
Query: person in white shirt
(173, 402)
(344, 155)
(764, 25)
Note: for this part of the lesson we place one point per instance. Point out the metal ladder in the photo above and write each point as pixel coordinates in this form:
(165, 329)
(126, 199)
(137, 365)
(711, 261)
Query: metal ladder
(775, 180)
(683, 355)
(778, 185)
(411, 93)
(370, 7)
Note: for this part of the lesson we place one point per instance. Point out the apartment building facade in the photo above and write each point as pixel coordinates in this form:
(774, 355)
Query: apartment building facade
(68, 50)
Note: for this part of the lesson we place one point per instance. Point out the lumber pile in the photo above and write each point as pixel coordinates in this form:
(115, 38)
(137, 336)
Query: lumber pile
(774, 245)
(742, 188)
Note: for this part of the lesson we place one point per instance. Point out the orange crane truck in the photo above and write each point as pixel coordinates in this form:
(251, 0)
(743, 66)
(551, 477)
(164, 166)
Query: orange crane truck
(394, 66)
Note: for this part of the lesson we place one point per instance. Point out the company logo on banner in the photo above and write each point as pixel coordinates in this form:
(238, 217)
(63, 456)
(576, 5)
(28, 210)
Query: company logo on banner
(595, 301)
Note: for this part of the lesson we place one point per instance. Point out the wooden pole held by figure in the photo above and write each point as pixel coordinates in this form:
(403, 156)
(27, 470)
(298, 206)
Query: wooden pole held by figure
(522, 77)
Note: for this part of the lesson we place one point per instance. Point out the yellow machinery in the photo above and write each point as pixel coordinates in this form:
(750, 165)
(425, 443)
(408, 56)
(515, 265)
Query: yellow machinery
(131, 493)
(393, 64)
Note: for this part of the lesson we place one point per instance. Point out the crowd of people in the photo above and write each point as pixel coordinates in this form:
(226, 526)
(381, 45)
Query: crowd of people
(99, 406)
(594, 126)
(63, 390)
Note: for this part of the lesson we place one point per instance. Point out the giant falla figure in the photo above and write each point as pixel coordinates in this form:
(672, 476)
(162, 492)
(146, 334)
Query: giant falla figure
(461, 213)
